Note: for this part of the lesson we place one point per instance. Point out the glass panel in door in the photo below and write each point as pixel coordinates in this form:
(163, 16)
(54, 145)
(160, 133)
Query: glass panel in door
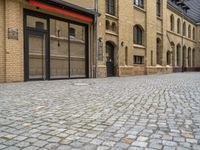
(36, 45)
(59, 56)
(77, 51)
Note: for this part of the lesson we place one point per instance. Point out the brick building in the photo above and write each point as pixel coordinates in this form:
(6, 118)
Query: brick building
(56, 39)
(43, 40)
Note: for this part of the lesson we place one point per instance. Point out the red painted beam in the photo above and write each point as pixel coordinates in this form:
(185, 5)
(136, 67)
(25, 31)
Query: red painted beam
(60, 10)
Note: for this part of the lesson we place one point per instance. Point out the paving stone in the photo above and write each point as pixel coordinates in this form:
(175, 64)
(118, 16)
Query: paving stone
(64, 147)
(169, 148)
(2, 146)
(155, 146)
(140, 144)
(194, 141)
(23, 144)
(96, 142)
(169, 143)
(31, 148)
(40, 143)
(143, 112)
(12, 148)
(54, 139)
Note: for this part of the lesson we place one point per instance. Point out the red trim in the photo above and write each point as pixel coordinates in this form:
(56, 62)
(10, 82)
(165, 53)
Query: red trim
(60, 10)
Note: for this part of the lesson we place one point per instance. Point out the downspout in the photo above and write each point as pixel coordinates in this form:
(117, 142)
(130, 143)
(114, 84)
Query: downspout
(182, 36)
(97, 48)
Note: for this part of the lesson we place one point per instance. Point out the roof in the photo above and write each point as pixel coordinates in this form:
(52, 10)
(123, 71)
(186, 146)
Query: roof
(193, 9)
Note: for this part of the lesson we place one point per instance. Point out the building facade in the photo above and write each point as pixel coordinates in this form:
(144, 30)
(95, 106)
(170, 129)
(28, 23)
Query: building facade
(44, 40)
(63, 39)
(147, 36)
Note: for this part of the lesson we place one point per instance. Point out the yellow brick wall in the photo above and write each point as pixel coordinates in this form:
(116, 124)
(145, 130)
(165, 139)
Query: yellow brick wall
(14, 48)
(83, 3)
(2, 42)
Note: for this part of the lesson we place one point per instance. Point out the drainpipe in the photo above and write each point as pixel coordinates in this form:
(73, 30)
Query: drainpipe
(182, 39)
(97, 48)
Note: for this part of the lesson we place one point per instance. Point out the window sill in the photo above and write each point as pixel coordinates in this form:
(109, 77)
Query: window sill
(159, 18)
(138, 46)
(111, 33)
(138, 65)
(139, 8)
(111, 16)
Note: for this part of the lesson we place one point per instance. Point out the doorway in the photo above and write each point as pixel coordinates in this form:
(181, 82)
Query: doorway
(36, 50)
(110, 59)
(54, 48)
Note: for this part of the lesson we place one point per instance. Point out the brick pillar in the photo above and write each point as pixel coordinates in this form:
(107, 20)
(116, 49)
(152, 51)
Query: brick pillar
(13, 46)
(2, 41)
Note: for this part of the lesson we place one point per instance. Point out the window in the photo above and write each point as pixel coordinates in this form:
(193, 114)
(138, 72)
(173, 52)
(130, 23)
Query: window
(110, 7)
(139, 3)
(138, 35)
(172, 22)
(168, 58)
(36, 22)
(126, 56)
(189, 31)
(107, 25)
(158, 8)
(193, 32)
(159, 52)
(184, 29)
(72, 32)
(138, 59)
(114, 27)
(178, 26)
(189, 57)
(178, 53)
(193, 58)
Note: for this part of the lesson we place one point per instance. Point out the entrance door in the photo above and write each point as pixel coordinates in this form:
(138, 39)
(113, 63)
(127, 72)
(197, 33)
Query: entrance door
(36, 53)
(110, 59)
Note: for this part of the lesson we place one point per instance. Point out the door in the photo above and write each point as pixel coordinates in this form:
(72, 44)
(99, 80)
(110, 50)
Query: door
(110, 59)
(36, 61)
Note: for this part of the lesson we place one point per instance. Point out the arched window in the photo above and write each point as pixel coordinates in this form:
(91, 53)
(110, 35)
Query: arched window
(184, 29)
(138, 35)
(158, 8)
(184, 56)
(194, 34)
(193, 58)
(178, 26)
(139, 3)
(189, 57)
(168, 58)
(173, 54)
(159, 52)
(172, 22)
(189, 31)
(178, 53)
(126, 56)
(107, 25)
(114, 28)
(110, 7)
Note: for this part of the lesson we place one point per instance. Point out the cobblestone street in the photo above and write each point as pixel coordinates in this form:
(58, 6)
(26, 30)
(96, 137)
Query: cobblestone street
(142, 112)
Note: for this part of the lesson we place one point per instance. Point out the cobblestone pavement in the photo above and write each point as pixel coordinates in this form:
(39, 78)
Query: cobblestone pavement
(143, 112)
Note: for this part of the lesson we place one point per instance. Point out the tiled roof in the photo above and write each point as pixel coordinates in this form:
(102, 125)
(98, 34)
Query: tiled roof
(194, 11)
